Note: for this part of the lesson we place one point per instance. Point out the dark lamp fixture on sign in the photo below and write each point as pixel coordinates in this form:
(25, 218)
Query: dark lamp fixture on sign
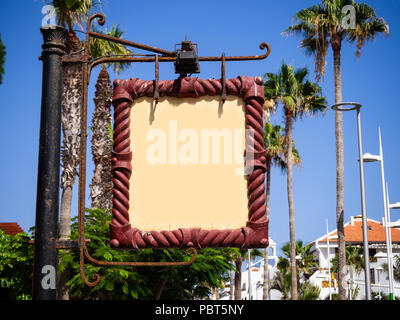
(187, 60)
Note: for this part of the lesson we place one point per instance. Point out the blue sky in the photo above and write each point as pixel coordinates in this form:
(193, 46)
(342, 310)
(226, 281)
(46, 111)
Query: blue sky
(236, 28)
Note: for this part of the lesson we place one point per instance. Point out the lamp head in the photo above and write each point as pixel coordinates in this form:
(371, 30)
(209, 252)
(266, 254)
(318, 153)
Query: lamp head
(395, 224)
(187, 60)
(394, 205)
(367, 157)
(352, 106)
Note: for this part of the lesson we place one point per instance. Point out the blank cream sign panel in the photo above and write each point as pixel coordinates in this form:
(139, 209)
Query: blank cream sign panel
(187, 164)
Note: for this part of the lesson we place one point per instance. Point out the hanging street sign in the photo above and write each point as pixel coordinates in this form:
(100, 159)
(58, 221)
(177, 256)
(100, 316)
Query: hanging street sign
(189, 167)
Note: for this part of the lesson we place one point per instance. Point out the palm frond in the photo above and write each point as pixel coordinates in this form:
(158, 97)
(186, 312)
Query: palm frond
(317, 24)
(274, 140)
(100, 47)
(367, 31)
(291, 88)
(72, 12)
(300, 74)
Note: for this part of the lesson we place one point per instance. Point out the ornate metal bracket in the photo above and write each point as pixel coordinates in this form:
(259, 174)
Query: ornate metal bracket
(166, 56)
(160, 55)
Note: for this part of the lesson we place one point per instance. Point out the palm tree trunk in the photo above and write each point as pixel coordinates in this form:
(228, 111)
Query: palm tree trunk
(65, 220)
(65, 217)
(70, 120)
(160, 289)
(336, 46)
(267, 211)
(231, 292)
(101, 184)
(238, 279)
(289, 137)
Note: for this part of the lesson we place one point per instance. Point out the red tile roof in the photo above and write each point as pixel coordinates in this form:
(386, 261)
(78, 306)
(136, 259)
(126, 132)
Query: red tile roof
(353, 232)
(10, 228)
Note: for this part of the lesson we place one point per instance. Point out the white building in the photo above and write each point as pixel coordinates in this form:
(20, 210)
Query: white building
(325, 252)
(377, 252)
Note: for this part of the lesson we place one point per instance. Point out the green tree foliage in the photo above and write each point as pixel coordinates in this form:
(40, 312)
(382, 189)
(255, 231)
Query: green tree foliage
(321, 25)
(396, 268)
(354, 258)
(276, 147)
(210, 269)
(71, 12)
(2, 59)
(238, 258)
(298, 97)
(306, 265)
(308, 291)
(282, 281)
(305, 260)
(16, 261)
(100, 47)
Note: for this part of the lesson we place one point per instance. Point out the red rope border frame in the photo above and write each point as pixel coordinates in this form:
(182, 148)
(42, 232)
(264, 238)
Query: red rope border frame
(122, 234)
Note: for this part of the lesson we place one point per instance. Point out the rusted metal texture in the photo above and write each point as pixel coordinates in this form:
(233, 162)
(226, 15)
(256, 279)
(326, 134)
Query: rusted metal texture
(98, 61)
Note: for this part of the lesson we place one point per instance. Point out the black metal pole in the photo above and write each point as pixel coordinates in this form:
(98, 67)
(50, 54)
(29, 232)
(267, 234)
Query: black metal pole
(46, 224)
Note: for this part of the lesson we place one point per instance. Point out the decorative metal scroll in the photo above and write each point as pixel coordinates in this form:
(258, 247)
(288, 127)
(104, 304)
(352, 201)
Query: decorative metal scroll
(160, 55)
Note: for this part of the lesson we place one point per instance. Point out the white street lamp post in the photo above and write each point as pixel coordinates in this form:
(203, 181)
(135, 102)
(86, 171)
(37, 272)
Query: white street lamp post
(357, 106)
(367, 157)
(390, 261)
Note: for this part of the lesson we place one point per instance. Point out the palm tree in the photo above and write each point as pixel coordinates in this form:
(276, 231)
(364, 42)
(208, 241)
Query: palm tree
(305, 260)
(243, 256)
(274, 140)
(355, 260)
(306, 265)
(273, 144)
(299, 97)
(281, 282)
(320, 26)
(230, 254)
(396, 268)
(70, 13)
(238, 277)
(101, 184)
